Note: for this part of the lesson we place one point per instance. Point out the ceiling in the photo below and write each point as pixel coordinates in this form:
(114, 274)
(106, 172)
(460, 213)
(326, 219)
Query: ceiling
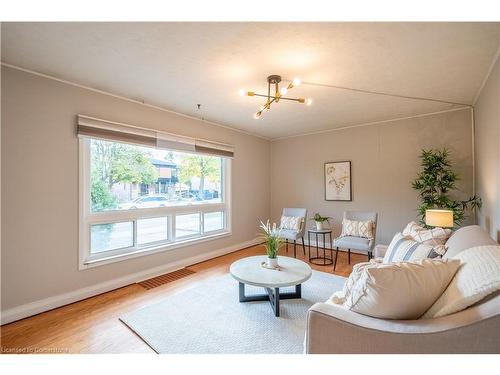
(178, 65)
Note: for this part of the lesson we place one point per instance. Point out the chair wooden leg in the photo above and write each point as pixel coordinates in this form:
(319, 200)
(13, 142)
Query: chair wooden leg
(286, 247)
(295, 248)
(303, 246)
(349, 256)
(336, 256)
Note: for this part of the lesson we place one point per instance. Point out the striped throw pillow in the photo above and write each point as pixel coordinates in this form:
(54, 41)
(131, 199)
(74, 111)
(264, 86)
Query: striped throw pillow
(357, 228)
(406, 249)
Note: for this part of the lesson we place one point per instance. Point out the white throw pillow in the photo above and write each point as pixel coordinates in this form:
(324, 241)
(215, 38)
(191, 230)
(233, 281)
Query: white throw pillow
(478, 277)
(435, 237)
(291, 223)
(406, 249)
(397, 290)
(358, 228)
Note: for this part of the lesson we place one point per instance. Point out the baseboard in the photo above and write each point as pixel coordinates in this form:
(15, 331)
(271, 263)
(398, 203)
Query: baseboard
(37, 307)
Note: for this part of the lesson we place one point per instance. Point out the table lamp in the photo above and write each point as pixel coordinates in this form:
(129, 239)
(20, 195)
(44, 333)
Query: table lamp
(439, 218)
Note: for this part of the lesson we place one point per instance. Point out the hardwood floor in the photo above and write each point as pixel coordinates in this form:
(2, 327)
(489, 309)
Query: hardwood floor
(92, 325)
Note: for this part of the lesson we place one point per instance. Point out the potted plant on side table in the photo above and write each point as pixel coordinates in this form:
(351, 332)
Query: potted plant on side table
(321, 221)
(272, 242)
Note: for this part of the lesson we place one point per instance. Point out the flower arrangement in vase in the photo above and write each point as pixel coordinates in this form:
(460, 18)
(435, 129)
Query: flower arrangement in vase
(272, 242)
(321, 221)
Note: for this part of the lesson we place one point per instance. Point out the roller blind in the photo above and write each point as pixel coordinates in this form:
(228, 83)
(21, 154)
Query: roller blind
(108, 130)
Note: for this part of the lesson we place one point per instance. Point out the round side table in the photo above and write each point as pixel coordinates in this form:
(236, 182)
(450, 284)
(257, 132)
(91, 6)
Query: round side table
(324, 260)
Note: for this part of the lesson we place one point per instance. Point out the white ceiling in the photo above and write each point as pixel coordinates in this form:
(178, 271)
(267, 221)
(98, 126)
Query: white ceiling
(177, 65)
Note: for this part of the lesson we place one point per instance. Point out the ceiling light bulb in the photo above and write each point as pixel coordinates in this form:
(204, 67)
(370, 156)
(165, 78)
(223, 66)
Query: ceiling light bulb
(257, 115)
(309, 101)
(296, 81)
(242, 92)
(283, 91)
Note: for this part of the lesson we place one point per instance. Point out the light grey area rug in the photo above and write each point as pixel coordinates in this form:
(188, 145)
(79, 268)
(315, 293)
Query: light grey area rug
(209, 319)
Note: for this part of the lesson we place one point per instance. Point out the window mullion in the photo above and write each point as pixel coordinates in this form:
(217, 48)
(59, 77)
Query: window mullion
(134, 229)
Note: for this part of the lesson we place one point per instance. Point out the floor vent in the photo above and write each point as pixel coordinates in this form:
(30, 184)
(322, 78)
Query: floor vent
(165, 279)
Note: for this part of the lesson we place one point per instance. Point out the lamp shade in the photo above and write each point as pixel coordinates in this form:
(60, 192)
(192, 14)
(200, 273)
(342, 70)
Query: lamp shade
(439, 218)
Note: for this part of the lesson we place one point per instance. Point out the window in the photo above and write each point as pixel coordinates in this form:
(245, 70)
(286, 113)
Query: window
(137, 199)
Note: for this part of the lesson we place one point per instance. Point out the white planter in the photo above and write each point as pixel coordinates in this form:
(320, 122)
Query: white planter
(272, 262)
(320, 225)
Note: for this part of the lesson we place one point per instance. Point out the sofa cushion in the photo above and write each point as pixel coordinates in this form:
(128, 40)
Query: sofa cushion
(405, 249)
(397, 290)
(465, 238)
(349, 242)
(478, 277)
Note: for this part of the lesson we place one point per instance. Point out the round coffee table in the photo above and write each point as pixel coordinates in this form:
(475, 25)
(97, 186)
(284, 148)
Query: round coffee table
(293, 272)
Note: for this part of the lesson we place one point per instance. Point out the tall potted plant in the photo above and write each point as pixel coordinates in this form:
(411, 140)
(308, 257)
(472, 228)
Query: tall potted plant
(436, 181)
(272, 242)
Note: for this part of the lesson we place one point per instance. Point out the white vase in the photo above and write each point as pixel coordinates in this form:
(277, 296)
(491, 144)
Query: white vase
(319, 225)
(272, 262)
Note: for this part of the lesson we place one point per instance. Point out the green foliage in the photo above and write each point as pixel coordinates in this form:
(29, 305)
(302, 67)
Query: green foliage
(435, 183)
(100, 196)
(320, 219)
(272, 239)
(114, 162)
(205, 167)
(133, 166)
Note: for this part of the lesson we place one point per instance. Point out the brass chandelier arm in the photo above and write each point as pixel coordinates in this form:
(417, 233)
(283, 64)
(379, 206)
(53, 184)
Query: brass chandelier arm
(274, 97)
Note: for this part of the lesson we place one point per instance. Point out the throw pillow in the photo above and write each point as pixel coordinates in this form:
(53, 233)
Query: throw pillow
(357, 228)
(397, 290)
(435, 237)
(291, 223)
(405, 249)
(478, 277)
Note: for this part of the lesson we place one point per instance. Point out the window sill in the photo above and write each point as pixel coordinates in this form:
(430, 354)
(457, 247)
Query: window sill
(91, 263)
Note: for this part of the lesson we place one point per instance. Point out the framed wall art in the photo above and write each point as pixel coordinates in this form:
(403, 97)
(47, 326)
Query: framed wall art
(338, 185)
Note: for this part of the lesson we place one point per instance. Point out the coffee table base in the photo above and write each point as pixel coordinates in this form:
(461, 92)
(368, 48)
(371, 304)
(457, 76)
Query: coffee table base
(273, 296)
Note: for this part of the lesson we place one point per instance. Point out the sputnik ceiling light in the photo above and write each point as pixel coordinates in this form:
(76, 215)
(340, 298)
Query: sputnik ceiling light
(279, 94)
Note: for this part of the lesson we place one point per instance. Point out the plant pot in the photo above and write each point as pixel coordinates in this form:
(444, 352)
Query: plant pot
(320, 225)
(272, 262)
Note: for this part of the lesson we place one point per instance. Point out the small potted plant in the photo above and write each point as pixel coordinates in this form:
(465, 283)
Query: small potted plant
(272, 241)
(320, 221)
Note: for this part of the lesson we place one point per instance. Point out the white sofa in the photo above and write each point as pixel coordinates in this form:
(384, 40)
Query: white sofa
(333, 329)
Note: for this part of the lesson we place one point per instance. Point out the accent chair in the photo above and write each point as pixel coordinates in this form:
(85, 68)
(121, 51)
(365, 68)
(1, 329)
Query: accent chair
(291, 235)
(356, 243)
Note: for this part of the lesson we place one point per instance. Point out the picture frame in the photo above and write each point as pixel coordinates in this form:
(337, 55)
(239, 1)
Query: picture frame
(338, 181)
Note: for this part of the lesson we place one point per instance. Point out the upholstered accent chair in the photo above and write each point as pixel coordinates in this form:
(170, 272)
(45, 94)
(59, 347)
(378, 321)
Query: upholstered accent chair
(356, 243)
(292, 235)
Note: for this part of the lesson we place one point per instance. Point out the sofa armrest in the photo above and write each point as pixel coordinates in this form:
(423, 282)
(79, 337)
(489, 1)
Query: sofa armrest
(333, 329)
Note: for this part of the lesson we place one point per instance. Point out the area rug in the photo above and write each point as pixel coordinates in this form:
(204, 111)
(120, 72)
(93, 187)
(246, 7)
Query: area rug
(209, 319)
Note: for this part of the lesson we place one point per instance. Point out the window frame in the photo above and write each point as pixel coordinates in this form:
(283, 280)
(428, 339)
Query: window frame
(88, 218)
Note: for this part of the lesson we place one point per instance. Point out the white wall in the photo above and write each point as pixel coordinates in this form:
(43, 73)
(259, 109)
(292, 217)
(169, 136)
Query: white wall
(40, 186)
(487, 152)
(385, 159)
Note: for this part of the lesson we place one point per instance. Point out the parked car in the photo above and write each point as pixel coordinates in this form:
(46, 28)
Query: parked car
(148, 201)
